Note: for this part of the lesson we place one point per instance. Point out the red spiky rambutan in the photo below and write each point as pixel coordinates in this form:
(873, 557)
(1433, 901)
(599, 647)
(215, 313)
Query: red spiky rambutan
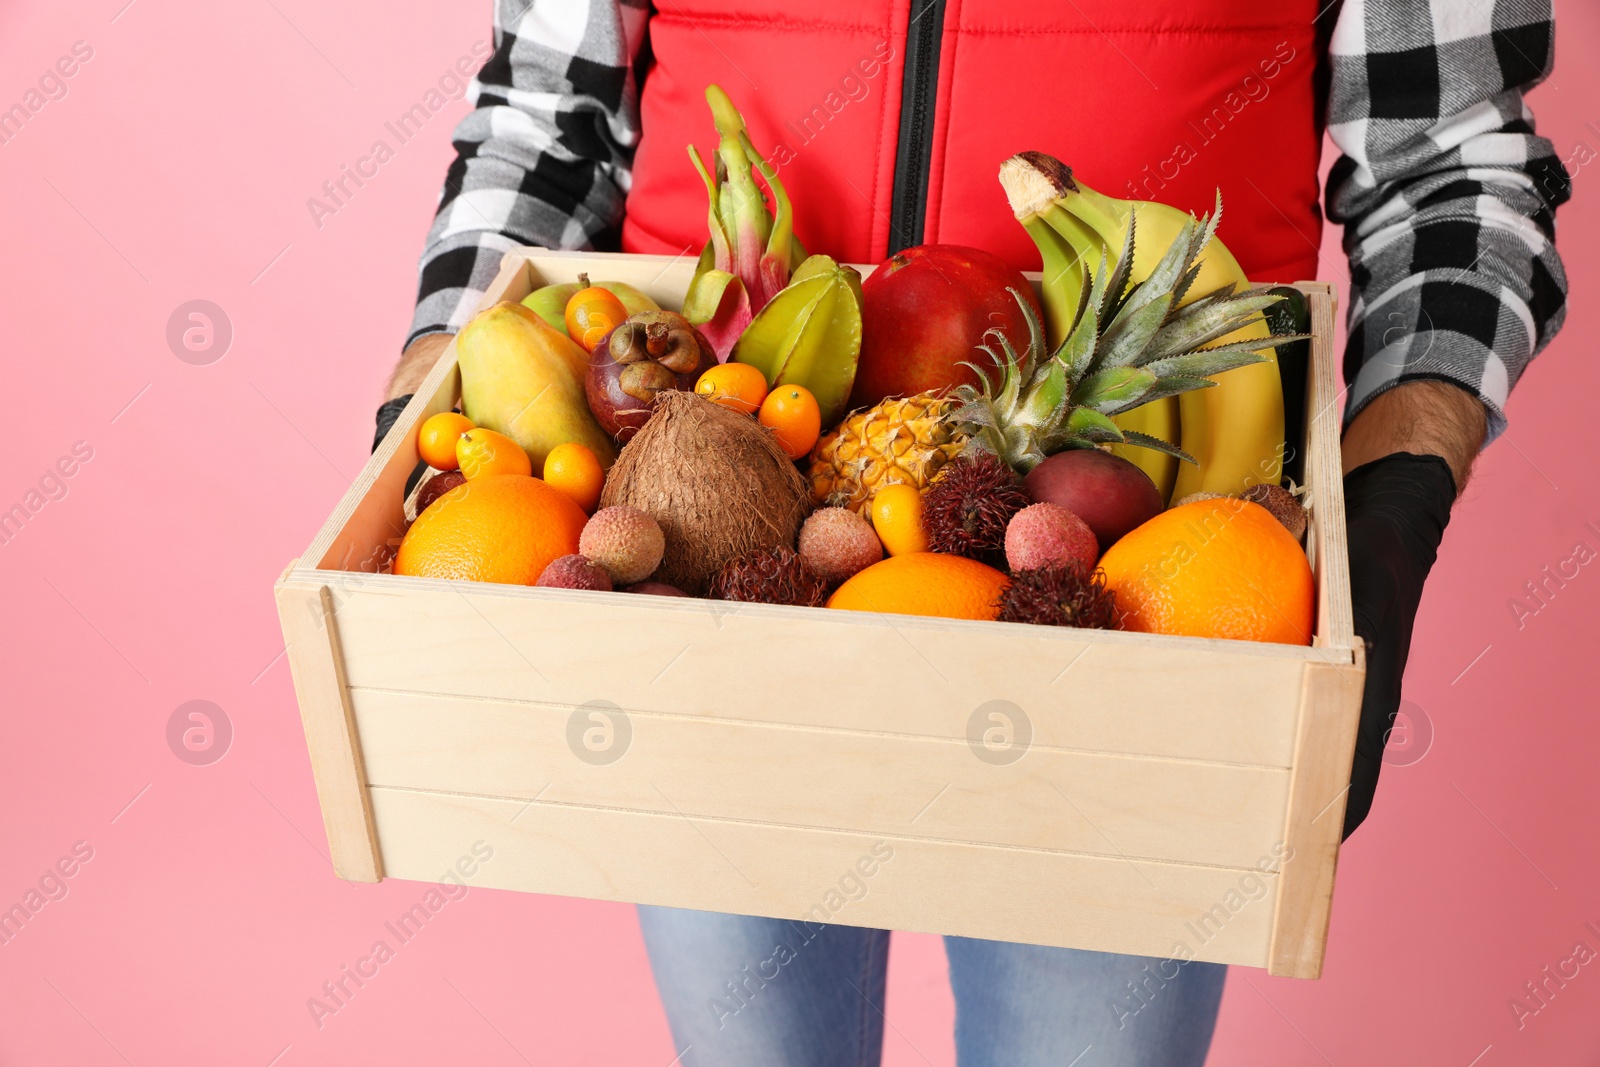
(1060, 595)
(967, 508)
(769, 576)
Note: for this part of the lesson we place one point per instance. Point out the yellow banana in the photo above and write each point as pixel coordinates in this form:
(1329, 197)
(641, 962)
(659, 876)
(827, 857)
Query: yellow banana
(1061, 280)
(1234, 430)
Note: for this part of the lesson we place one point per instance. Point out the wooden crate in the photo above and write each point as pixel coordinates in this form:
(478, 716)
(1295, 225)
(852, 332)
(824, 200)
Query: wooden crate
(1102, 790)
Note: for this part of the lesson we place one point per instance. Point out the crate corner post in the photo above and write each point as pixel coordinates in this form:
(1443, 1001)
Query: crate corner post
(306, 610)
(1314, 829)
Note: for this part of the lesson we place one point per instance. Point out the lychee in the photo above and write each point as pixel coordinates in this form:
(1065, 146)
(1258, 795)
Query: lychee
(438, 486)
(574, 572)
(654, 589)
(1285, 507)
(625, 541)
(836, 543)
(1042, 535)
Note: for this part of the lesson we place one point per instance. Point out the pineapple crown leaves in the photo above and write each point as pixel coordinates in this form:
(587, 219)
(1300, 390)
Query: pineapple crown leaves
(1128, 345)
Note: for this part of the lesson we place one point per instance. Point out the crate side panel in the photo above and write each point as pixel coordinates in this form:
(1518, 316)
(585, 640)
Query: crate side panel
(831, 669)
(311, 643)
(1005, 894)
(831, 779)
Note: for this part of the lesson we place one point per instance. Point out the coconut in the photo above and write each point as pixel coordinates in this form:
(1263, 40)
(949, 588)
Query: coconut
(715, 480)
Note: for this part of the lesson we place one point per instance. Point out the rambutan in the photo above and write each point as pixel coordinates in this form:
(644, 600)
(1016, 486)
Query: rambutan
(1060, 595)
(967, 508)
(575, 572)
(769, 576)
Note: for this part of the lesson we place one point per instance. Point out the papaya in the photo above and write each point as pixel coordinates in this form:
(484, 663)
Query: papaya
(523, 378)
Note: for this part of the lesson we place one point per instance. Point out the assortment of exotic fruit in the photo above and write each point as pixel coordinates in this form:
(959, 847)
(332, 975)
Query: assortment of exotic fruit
(938, 439)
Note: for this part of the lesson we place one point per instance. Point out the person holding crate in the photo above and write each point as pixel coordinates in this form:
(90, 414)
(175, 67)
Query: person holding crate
(892, 116)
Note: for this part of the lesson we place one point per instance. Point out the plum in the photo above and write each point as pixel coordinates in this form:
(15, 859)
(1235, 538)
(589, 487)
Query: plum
(649, 352)
(1107, 492)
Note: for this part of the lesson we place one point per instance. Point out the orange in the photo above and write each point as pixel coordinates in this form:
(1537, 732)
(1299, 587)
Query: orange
(592, 313)
(572, 469)
(495, 528)
(735, 385)
(436, 439)
(897, 516)
(791, 412)
(1213, 568)
(924, 583)
(484, 452)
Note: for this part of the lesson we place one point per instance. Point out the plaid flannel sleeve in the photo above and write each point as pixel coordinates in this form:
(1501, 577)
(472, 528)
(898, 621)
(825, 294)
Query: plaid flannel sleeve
(544, 157)
(1447, 195)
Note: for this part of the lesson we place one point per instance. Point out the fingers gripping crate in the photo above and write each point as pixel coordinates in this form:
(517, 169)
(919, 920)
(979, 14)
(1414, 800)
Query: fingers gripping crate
(1123, 792)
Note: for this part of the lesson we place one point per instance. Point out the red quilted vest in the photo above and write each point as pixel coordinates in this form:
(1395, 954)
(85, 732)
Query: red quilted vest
(1149, 101)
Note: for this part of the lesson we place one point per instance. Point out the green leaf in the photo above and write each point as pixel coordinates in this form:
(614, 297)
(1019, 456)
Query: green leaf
(1173, 262)
(1085, 421)
(1114, 385)
(1144, 440)
(1077, 351)
(1163, 388)
(1190, 329)
(1117, 286)
(1211, 361)
(1129, 337)
(1044, 400)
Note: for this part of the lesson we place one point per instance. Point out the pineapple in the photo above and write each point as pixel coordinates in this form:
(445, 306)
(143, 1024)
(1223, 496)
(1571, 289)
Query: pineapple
(1127, 346)
(899, 440)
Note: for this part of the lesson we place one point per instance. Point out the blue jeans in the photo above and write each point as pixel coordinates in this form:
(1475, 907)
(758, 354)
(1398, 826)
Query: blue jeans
(741, 991)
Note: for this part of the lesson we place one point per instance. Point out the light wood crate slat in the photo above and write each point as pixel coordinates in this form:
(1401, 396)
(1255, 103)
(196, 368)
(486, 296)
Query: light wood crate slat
(846, 780)
(933, 887)
(1101, 692)
(1325, 540)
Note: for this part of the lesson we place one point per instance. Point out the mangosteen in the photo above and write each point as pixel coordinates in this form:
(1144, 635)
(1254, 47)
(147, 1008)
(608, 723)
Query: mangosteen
(648, 353)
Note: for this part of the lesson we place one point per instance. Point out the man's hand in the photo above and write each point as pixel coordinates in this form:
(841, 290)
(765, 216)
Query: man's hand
(1406, 458)
(415, 364)
(408, 374)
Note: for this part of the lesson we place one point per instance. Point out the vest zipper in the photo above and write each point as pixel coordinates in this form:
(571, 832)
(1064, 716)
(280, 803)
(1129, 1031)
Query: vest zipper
(918, 90)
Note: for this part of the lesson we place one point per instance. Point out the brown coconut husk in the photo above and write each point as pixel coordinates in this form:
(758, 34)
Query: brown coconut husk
(716, 482)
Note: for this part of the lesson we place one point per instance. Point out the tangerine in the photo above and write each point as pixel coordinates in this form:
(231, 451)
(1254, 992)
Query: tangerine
(591, 313)
(897, 516)
(573, 469)
(483, 452)
(735, 385)
(495, 528)
(792, 414)
(924, 583)
(1213, 568)
(437, 436)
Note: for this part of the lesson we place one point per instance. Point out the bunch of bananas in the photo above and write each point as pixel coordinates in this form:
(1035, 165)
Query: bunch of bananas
(1234, 431)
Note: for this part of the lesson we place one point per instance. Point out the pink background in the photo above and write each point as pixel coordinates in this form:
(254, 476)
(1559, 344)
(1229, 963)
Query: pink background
(177, 167)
